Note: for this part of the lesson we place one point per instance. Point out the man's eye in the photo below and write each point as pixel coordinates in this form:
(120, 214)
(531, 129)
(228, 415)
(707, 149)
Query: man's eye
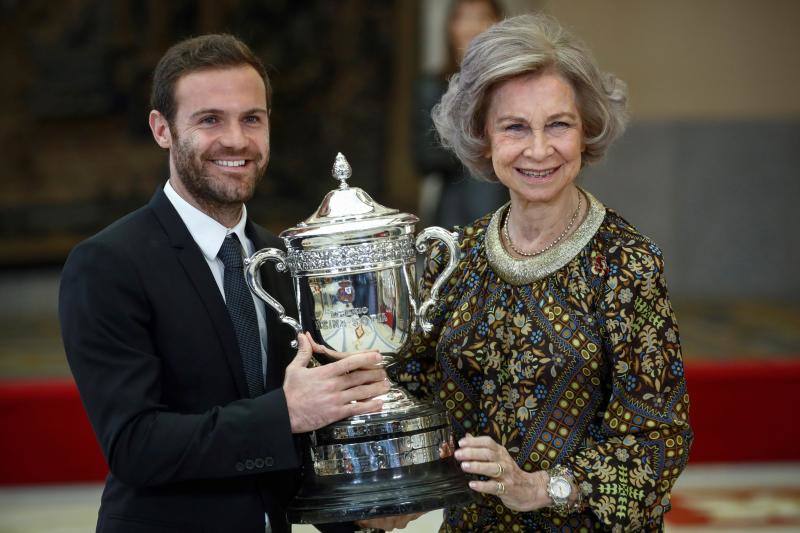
(253, 119)
(209, 120)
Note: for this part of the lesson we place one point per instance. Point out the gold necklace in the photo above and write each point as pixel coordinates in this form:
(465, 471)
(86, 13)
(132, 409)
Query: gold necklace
(543, 250)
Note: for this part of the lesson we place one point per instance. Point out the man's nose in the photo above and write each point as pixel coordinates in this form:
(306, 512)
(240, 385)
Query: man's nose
(234, 136)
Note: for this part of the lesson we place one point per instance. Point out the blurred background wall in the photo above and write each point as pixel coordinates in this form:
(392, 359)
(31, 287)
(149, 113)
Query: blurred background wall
(707, 167)
(75, 140)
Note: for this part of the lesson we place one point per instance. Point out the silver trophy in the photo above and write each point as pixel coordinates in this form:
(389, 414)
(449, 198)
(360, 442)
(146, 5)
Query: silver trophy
(353, 266)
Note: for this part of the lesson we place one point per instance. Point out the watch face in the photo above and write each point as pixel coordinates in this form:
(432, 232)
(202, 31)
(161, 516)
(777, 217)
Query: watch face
(561, 488)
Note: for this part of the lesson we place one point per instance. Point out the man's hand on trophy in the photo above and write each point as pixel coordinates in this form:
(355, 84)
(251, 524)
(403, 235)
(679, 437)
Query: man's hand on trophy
(335, 355)
(321, 395)
(388, 523)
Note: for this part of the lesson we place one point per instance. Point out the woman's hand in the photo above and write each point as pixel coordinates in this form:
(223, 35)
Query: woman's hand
(388, 523)
(517, 489)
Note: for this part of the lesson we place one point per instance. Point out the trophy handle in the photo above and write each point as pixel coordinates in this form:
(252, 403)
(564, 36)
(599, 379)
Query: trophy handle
(251, 265)
(449, 239)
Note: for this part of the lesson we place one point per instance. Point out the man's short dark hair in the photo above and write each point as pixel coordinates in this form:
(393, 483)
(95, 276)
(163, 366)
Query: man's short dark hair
(199, 53)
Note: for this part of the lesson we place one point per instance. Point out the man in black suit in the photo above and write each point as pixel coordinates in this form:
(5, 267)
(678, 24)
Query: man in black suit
(189, 382)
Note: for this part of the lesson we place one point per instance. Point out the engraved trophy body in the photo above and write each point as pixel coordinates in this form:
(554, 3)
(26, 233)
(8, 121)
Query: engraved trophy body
(352, 264)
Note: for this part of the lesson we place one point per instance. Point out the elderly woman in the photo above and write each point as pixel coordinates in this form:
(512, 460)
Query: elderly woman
(555, 348)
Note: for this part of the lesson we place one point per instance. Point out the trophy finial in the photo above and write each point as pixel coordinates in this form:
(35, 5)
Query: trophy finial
(341, 170)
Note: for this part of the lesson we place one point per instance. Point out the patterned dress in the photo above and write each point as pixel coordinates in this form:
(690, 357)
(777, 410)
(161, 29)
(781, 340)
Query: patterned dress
(569, 358)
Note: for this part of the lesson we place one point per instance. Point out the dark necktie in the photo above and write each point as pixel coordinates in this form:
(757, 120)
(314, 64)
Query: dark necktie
(243, 313)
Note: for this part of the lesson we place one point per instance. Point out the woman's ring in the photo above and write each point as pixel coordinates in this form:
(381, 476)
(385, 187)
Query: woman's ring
(501, 489)
(500, 470)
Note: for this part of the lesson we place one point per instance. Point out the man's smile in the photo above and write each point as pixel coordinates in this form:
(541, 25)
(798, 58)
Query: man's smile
(229, 163)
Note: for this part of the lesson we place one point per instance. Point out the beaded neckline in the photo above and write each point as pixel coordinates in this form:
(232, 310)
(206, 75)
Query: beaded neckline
(522, 271)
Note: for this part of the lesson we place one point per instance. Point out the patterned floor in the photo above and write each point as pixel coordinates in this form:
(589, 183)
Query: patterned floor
(737, 498)
(708, 499)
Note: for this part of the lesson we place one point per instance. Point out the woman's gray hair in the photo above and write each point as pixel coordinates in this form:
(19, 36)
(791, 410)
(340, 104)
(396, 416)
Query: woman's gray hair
(515, 47)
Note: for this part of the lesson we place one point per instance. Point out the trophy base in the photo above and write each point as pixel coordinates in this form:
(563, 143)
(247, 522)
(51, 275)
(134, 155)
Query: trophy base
(396, 461)
(397, 491)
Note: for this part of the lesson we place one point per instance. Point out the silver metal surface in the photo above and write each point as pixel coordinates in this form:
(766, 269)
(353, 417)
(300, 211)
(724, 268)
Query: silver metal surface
(379, 425)
(373, 255)
(341, 170)
(353, 266)
(376, 462)
(449, 240)
(393, 446)
(383, 455)
(361, 311)
(251, 265)
(341, 205)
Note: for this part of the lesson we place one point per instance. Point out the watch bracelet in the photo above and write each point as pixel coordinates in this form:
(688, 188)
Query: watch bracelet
(566, 508)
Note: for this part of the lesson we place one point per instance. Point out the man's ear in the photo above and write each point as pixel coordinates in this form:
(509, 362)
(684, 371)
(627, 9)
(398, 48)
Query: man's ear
(160, 128)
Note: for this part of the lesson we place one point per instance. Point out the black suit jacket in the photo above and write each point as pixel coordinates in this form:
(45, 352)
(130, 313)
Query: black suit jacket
(155, 357)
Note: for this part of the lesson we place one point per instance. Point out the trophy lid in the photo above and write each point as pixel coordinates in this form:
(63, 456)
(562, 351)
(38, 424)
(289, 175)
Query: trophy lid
(347, 211)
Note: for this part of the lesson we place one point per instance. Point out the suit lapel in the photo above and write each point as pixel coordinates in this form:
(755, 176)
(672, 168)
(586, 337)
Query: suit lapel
(196, 268)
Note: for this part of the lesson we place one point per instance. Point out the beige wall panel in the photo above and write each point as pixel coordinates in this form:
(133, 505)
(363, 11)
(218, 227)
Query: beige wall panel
(695, 59)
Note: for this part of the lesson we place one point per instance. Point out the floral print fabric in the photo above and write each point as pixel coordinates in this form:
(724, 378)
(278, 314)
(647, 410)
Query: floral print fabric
(581, 368)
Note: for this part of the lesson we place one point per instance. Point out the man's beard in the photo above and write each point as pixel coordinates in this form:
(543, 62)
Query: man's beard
(209, 191)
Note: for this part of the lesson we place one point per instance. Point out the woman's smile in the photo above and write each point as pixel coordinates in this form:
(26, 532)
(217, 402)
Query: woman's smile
(538, 174)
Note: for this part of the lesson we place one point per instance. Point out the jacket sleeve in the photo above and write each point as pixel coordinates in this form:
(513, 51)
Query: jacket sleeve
(642, 442)
(108, 327)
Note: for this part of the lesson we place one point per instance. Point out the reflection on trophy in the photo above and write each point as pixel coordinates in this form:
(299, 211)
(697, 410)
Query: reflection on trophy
(353, 267)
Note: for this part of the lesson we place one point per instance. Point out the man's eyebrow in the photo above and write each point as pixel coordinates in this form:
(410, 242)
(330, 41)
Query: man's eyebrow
(212, 111)
(256, 111)
(205, 112)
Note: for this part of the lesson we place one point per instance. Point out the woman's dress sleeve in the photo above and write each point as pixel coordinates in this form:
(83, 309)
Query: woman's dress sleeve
(640, 442)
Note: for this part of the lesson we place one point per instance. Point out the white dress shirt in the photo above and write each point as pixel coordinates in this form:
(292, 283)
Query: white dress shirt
(209, 234)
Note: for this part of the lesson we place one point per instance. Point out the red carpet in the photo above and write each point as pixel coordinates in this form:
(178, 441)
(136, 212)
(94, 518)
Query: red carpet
(744, 410)
(741, 411)
(46, 435)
